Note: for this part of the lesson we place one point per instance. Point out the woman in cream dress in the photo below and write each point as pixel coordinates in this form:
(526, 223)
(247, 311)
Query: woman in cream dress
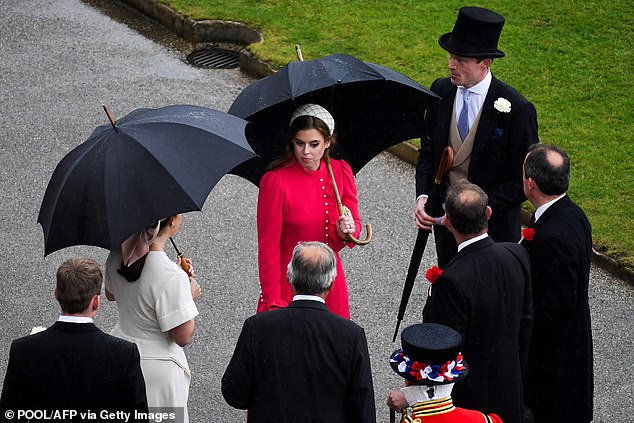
(155, 300)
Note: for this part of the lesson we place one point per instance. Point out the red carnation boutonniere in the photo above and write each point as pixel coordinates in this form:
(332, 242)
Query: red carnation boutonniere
(528, 234)
(433, 273)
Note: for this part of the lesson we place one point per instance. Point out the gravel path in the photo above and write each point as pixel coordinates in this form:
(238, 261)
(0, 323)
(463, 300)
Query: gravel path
(63, 59)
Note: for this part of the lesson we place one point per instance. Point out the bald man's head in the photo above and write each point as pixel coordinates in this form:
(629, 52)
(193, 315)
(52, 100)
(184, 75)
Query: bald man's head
(466, 207)
(312, 268)
(549, 167)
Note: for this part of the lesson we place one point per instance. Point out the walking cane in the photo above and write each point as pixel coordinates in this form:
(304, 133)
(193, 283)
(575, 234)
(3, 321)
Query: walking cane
(340, 206)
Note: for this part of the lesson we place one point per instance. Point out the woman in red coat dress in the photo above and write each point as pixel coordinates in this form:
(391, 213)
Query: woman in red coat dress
(297, 203)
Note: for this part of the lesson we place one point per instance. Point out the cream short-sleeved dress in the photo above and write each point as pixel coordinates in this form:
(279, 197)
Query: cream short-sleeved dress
(149, 307)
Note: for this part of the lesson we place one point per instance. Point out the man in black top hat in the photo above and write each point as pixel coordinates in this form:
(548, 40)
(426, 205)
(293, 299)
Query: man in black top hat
(431, 362)
(487, 123)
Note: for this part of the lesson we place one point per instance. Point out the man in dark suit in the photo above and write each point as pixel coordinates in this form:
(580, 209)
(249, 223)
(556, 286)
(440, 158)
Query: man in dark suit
(488, 125)
(559, 380)
(73, 365)
(484, 293)
(302, 363)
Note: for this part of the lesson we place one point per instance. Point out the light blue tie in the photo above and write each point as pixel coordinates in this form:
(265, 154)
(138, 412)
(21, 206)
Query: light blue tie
(463, 119)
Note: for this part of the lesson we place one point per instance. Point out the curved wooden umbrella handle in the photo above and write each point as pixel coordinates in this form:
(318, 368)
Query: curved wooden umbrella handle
(368, 236)
(446, 164)
(342, 210)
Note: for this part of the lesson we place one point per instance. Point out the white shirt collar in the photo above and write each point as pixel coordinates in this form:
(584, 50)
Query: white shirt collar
(472, 240)
(75, 319)
(481, 87)
(475, 101)
(419, 393)
(309, 297)
(541, 209)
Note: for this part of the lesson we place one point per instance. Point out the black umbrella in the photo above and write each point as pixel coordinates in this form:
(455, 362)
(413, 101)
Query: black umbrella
(151, 164)
(446, 164)
(374, 108)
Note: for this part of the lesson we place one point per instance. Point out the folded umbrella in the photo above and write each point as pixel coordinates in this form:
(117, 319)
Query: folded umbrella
(151, 164)
(445, 166)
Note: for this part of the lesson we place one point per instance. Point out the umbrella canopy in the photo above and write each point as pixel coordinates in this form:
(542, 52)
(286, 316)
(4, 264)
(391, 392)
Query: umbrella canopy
(151, 164)
(374, 108)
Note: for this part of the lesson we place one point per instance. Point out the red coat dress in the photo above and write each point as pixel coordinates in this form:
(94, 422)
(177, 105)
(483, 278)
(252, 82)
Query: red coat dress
(298, 205)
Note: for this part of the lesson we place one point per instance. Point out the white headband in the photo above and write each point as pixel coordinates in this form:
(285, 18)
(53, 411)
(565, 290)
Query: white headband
(315, 110)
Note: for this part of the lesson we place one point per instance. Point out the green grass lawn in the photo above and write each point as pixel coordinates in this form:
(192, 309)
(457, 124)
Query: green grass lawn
(572, 58)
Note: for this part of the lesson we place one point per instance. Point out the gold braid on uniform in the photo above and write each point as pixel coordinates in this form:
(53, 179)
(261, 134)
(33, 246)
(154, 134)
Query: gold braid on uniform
(429, 408)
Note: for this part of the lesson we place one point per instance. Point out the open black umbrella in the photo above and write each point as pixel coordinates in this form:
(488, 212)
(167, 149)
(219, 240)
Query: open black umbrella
(151, 164)
(374, 108)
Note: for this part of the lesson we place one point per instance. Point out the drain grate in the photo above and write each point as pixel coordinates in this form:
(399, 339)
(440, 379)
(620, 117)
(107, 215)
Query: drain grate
(214, 58)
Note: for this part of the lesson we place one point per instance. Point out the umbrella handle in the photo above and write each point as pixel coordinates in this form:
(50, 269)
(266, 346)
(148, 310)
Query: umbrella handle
(446, 164)
(342, 210)
(184, 265)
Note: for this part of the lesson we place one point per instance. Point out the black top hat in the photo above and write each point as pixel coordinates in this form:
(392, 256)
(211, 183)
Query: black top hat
(475, 34)
(430, 355)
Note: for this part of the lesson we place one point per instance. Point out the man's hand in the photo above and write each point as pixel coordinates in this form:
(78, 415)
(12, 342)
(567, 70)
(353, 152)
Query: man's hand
(396, 400)
(423, 220)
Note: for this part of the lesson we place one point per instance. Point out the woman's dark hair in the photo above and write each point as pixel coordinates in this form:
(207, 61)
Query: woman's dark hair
(133, 272)
(302, 123)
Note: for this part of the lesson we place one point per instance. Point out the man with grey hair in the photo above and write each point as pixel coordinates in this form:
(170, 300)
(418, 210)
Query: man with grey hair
(302, 362)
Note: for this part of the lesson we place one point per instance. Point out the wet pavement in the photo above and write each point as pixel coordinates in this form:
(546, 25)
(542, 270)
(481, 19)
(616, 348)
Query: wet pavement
(62, 59)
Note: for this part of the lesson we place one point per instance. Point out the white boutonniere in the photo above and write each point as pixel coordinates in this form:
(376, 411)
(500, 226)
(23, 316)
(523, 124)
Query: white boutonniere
(37, 329)
(502, 105)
